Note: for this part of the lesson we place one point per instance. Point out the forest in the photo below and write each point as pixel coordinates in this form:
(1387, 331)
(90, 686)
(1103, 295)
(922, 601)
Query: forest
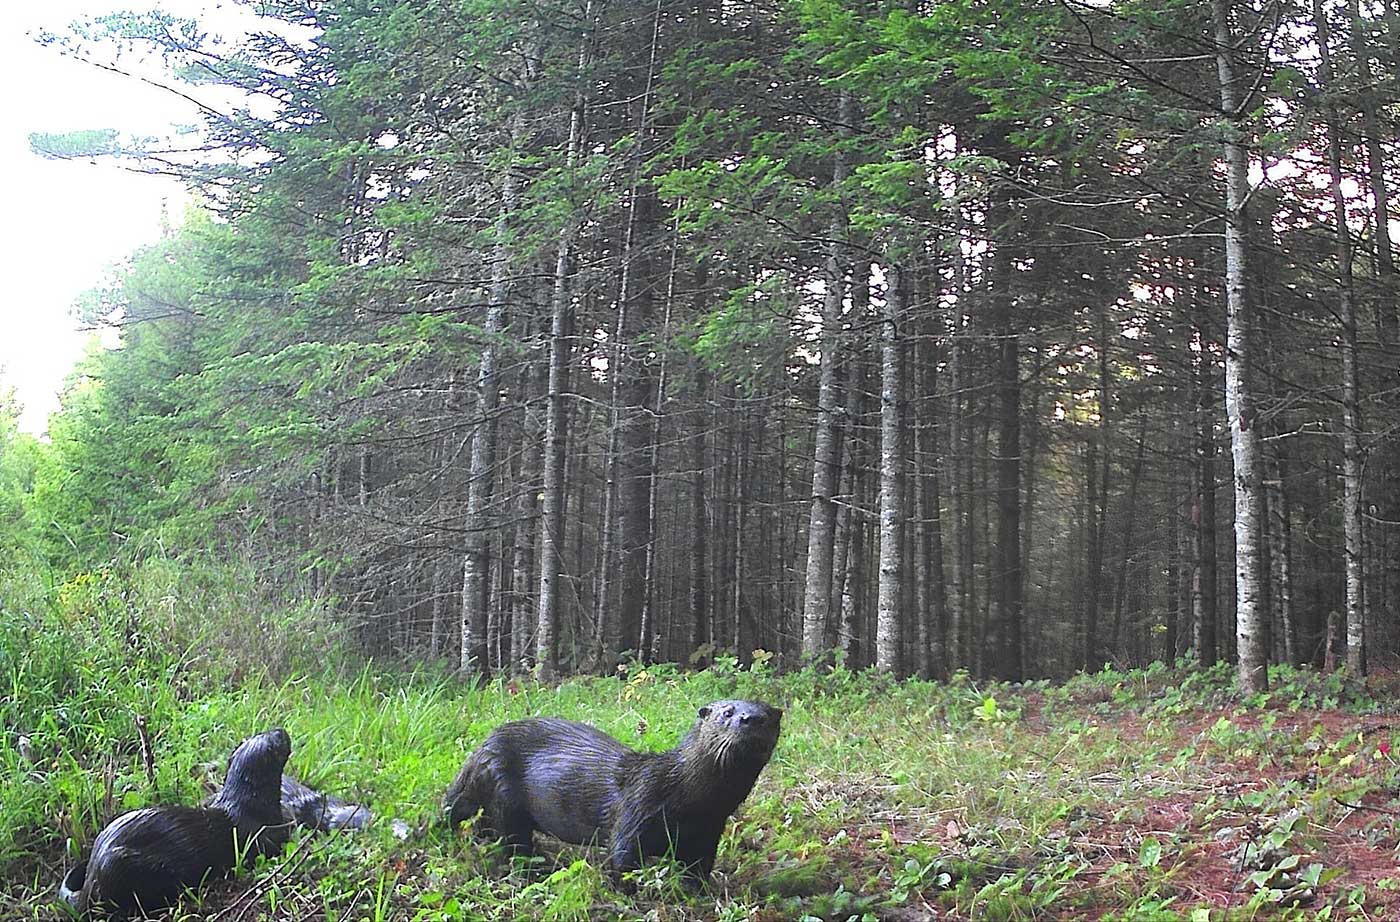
(963, 377)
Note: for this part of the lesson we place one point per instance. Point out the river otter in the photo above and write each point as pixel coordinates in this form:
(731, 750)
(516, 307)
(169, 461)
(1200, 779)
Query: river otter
(323, 812)
(146, 858)
(578, 784)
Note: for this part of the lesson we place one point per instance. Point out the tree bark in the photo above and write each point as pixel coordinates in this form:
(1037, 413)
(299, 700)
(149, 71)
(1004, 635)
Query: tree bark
(889, 618)
(476, 566)
(821, 531)
(1352, 461)
(846, 550)
(1253, 673)
(1007, 580)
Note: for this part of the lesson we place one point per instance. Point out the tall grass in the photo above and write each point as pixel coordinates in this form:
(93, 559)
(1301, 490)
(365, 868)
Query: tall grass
(882, 796)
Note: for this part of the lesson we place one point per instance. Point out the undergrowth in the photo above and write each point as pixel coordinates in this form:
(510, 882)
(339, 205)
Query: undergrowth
(1151, 794)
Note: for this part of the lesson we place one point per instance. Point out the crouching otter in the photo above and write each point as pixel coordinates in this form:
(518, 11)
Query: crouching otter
(146, 858)
(580, 785)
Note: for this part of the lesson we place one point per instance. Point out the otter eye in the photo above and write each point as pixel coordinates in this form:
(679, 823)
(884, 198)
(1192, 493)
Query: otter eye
(704, 711)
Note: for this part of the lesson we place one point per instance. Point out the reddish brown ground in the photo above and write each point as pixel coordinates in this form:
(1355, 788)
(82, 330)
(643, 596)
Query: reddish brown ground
(1361, 842)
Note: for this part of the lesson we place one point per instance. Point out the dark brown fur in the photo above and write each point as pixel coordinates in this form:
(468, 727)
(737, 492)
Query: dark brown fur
(580, 785)
(146, 858)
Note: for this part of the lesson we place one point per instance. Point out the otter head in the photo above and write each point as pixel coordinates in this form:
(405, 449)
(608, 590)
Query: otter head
(254, 781)
(71, 890)
(739, 730)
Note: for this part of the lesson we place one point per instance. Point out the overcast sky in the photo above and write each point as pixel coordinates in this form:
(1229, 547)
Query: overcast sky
(67, 222)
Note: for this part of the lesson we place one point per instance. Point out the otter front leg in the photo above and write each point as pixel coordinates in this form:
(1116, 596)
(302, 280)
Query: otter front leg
(697, 845)
(625, 844)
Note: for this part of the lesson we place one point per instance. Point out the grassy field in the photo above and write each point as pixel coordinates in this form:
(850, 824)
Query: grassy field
(1156, 794)
(1151, 795)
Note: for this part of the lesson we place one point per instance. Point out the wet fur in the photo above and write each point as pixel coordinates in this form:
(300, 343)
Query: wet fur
(146, 858)
(323, 812)
(580, 785)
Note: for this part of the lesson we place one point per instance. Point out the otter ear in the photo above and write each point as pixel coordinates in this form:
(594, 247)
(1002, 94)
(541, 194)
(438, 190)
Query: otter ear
(704, 711)
(777, 713)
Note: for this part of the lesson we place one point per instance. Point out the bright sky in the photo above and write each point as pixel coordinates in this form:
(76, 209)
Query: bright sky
(68, 221)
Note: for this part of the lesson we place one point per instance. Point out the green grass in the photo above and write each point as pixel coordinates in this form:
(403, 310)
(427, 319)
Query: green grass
(1149, 795)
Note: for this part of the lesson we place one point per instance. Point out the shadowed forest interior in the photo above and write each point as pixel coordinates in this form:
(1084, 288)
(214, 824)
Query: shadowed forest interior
(539, 336)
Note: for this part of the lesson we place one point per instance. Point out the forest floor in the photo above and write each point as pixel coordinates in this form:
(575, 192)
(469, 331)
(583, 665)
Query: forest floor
(1156, 794)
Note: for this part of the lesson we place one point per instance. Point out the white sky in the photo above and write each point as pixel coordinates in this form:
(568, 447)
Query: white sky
(68, 221)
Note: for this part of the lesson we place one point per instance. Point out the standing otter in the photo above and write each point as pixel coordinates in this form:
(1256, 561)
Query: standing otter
(146, 858)
(578, 784)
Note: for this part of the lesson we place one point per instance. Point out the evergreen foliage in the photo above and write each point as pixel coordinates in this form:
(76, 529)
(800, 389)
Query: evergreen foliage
(337, 370)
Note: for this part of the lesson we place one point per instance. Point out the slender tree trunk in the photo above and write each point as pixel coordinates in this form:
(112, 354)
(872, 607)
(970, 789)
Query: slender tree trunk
(1093, 553)
(554, 466)
(1239, 398)
(1205, 598)
(699, 525)
(1174, 583)
(1031, 478)
(439, 627)
(1281, 534)
(848, 522)
(650, 635)
(957, 509)
(477, 565)
(1352, 460)
(1098, 468)
(1127, 550)
(1007, 581)
(1387, 320)
(524, 614)
(889, 623)
(930, 579)
(821, 532)
(739, 490)
(1386, 313)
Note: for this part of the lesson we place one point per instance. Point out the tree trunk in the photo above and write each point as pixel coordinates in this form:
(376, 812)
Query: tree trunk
(1281, 553)
(651, 636)
(845, 560)
(476, 567)
(1126, 551)
(953, 464)
(932, 586)
(1352, 461)
(523, 618)
(1205, 581)
(1007, 580)
(699, 526)
(1253, 673)
(889, 622)
(1097, 470)
(821, 531)
(1387, 322)
(554, 466)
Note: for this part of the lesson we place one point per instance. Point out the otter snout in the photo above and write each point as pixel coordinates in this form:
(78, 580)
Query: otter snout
(744, 716)
(70, 891)
(280, 740)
